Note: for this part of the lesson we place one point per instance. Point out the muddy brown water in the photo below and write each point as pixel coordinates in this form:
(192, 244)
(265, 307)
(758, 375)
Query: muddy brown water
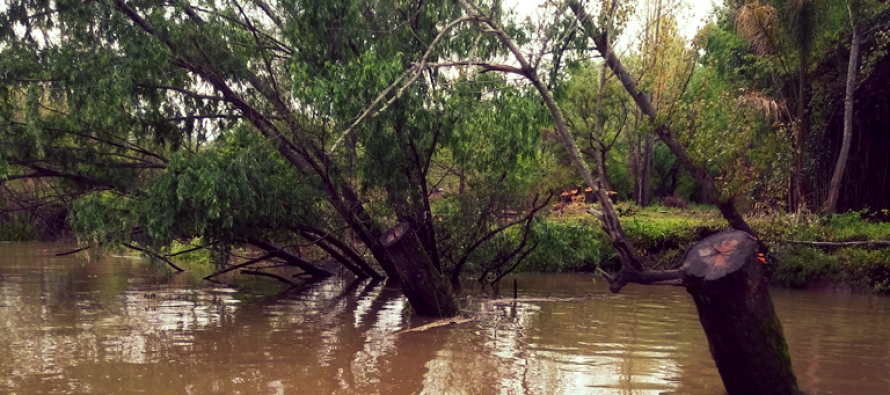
(118, 326)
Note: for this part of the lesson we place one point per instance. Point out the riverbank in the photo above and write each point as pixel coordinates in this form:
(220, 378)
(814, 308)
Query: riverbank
(573, 241)
(661, 236)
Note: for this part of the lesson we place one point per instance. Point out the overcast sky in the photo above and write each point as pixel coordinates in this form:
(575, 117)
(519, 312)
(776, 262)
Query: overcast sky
(692, 16)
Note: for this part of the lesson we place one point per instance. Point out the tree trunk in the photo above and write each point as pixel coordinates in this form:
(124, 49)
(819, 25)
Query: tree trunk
(723, 273)
(634, 165)
(352, 159)
(802, 134)
(427, 290)
(600, 158)
(834, 189)
(725, 277)
(599, 122)
(646, 176)
(604, 175)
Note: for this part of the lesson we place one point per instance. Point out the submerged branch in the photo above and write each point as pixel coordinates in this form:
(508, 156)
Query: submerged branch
(73, 251)
(193, 249)
(275, 276)
(240, 265)
(154, 255)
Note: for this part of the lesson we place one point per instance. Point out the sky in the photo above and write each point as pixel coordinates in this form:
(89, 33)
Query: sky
(693, 15)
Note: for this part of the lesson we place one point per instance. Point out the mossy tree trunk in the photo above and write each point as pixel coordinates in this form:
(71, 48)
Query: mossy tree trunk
(427, 290)
(725, 276)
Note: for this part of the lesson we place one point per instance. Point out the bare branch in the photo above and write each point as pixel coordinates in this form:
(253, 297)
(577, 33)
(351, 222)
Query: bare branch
(240, 265)
(270, 275)
(415, 72)
(485, 65)
(184, 92)
(154, 255)
(648, 277)
(842, 244)
(73, 251)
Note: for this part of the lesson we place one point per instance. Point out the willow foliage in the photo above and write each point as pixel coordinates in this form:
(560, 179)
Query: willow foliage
(218, 119)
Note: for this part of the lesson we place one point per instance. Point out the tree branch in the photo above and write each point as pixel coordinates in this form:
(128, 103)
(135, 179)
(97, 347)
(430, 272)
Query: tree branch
(154, 255)
(842, 244)
(648, 277)
(600, 38)
(73, 251)
(611, 224)
(416, 70)
(528, 216)
(270, 275)
(485, 66)
(238, 266)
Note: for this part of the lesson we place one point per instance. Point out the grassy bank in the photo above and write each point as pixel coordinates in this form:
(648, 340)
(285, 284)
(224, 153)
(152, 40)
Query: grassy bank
(661, 236)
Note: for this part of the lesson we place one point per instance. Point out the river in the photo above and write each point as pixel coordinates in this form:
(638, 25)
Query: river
(118, 326)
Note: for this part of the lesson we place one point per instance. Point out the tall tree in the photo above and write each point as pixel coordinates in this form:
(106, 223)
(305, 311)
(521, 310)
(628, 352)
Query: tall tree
(852, 69)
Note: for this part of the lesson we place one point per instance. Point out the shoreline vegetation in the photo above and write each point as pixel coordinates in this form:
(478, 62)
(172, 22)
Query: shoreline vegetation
(848, 252)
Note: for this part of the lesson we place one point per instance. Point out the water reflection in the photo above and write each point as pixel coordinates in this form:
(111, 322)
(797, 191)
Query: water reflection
(117, 326)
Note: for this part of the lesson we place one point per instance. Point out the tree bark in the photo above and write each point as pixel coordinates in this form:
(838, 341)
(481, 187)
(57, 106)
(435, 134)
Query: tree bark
(599, 122)
(359, 271)
(802, 134)
(834, 189)
(725, 277)
(426, 288)
(634, 156)
(290, 259)
(646, 179)
(600, 157)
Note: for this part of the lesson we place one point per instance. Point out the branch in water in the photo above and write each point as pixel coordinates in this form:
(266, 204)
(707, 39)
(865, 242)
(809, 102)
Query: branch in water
(275, 276)
(73, 251)
(155, 255)
(647, 277)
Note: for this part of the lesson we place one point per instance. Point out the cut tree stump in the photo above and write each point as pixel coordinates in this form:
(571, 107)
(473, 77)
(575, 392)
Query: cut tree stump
(427, 290)
(724, 274)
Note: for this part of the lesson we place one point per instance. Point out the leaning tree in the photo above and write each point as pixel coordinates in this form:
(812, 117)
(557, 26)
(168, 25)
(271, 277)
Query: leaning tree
(261, 123)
